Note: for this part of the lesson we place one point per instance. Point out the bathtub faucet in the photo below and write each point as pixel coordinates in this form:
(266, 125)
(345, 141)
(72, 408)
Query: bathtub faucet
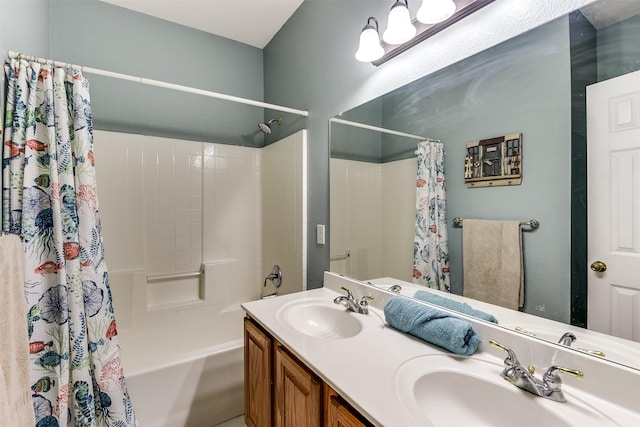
(353, 304)
(276, 278)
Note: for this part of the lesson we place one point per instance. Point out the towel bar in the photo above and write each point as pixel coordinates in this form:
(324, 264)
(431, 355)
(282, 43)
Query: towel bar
(533, 223)
(340, 257)
(165, 277)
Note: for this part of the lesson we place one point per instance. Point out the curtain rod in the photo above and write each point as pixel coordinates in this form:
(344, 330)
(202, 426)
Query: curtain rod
(158, 83)
(379, 129)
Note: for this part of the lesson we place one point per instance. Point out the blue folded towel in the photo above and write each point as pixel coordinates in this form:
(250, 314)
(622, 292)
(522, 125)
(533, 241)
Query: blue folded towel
(460, 307)
(432, 325)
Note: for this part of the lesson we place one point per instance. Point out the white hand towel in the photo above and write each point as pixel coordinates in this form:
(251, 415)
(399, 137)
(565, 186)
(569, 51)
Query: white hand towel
(16, 407)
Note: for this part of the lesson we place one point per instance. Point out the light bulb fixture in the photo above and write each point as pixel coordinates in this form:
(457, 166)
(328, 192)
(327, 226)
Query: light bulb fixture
(400, 29)
(434, 11)
(402, 34)
(369, 49)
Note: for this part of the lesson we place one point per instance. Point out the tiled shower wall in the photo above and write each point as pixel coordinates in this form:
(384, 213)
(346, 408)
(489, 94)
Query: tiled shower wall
(170, 207)
(372, 218)
(284, 207)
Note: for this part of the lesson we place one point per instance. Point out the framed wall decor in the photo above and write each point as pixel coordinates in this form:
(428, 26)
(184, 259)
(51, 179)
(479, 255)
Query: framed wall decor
(494, 162)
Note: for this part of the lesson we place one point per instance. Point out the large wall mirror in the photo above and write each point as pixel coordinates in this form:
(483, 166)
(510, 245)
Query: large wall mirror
(533, 84)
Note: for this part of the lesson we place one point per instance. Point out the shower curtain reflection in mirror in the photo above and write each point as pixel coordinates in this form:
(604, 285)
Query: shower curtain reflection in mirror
(430, 250)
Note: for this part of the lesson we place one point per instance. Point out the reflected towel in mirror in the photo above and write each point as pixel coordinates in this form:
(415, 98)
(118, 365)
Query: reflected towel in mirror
(492, 262)
(460, 307)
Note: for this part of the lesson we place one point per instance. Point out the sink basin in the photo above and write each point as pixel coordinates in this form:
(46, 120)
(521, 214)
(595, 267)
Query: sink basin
(442, 390)
(322, 319)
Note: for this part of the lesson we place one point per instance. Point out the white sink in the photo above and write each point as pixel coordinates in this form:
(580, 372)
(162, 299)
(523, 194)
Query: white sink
(322, 319)
(442, 390)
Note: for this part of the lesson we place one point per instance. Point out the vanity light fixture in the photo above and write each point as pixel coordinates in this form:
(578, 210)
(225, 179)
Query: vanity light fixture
(400, 29)
(402, 33)
(369, 49)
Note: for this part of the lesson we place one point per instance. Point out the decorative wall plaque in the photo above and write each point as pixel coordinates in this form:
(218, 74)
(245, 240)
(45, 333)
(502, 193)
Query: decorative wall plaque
(494, 162)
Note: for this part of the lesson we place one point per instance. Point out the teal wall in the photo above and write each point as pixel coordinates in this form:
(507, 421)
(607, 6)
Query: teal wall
(321, 71)
(521, 85)
(619, 49)
(12, 33)
(310, 63)
(100, 35)
(583, 73)
(352, 143)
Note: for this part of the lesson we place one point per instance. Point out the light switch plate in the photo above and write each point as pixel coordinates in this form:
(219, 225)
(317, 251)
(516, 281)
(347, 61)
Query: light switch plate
(320, 236)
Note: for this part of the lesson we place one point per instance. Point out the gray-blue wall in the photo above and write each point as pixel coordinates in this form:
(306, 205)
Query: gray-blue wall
(521, 85)
(308, 65)
(14, 37)
(619, 49)
(100, 35)
(311, 63)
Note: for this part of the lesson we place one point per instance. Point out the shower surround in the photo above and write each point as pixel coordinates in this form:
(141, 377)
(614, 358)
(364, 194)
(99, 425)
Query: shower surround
(170, 207)
(380, 243)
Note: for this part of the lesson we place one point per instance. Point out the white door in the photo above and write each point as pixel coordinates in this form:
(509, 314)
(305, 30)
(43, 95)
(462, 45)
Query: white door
(613, 180)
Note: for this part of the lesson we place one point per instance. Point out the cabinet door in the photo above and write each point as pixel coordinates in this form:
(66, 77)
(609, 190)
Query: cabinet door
(339, 413)
(298, 393)
(257, 376)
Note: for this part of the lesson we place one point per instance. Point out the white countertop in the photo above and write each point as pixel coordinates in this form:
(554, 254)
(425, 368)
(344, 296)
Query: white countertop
(363, 369)
(355, 367)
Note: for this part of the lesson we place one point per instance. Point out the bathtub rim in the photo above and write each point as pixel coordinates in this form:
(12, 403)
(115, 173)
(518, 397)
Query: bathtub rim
(189, 357)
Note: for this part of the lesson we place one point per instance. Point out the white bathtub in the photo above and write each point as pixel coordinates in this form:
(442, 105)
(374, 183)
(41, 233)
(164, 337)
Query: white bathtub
(183, 363)
(204, 389)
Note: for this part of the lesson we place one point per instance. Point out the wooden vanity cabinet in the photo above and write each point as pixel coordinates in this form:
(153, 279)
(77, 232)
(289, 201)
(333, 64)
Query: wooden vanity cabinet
(281, 391)
(339, 413)
(298, 392)
(258, 372)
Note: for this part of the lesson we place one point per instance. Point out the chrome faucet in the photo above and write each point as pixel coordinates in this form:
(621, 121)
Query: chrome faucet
(550, 387)
(353, 304)
(395, 288)
(569, 338)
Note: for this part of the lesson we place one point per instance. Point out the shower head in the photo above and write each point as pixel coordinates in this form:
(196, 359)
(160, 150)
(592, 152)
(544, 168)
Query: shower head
(266, 127)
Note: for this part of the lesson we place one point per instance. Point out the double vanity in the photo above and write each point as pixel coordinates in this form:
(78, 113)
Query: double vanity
(315, 358)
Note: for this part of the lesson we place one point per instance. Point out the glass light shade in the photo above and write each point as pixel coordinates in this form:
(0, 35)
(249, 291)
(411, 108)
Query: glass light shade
(369, 49)
(434, 11)
(399, 26)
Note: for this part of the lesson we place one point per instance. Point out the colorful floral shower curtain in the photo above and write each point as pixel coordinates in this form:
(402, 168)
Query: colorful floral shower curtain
(430, 249)
(49, 199)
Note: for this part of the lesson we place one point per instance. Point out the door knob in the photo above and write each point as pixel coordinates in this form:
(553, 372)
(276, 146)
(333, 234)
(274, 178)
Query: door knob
(599, 266)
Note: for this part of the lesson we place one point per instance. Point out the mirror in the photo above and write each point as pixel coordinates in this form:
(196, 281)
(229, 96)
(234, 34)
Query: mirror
(533, 84)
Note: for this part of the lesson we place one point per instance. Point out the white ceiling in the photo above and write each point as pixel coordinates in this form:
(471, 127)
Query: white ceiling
(253, 22)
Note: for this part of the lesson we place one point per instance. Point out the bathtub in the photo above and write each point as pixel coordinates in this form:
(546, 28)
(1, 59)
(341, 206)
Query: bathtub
(183, 363)
(203, 389)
